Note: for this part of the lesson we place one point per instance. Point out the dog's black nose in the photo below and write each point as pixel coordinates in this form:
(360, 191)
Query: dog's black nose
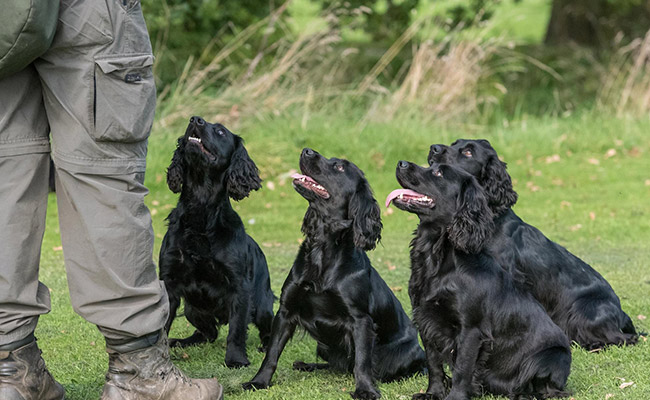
(403, 164)
(436, 149)
(197, 120)
(308, 152)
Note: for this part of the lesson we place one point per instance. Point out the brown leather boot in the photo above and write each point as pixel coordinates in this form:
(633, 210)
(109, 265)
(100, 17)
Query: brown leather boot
(148, 374)
(24, 376)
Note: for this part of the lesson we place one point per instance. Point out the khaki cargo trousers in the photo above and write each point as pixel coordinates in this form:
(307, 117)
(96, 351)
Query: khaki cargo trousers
(93, 95)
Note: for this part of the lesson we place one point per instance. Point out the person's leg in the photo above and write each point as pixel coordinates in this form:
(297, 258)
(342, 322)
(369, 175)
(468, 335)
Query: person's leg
(107, 242)
(24, 170)
(99, 95)
(24, 148)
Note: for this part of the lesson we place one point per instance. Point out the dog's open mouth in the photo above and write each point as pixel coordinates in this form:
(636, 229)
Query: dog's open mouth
(310, 184)
(410, 197)
(197, 140)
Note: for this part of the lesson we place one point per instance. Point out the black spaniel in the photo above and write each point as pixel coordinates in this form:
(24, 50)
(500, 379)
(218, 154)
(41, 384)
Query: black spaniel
(496, 337)
(575, 295)
(334, 293)
(206, 258)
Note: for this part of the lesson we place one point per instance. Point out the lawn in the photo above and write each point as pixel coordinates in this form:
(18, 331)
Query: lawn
(584, 180)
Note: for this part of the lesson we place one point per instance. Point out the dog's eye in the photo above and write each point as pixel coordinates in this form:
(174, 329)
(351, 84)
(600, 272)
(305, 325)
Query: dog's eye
(220, 132)
(437, 173)
(467, 153)
(339, 167)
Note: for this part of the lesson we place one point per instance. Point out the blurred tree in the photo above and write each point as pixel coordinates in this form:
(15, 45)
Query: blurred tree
(593, 23)
(597, 22)
(384, 20)
(184, 28)
(471, 13)
(202, 16)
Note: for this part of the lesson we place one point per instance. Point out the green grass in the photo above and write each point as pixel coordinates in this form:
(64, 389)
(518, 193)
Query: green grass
(556, 196)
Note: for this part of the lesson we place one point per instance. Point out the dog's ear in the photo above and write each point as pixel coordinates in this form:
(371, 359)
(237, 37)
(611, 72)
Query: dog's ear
(242, 175)
(175, 170)
(366, 215)
(497, 185)
(472, 223)
(310, 221)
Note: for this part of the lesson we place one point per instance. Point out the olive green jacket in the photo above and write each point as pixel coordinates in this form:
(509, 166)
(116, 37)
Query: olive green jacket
(26, 31)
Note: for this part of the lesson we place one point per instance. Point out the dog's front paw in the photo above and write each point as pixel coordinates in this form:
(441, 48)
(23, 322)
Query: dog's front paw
(237, 363)
(425, 396)
(366, 394)
(436, 395)
(236, 358)
(252, 385)
(302, 366)
(457, 395)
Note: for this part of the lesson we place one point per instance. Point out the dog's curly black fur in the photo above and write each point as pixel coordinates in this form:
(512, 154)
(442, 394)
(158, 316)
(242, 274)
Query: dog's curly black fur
(496, 337)
(575, 295)
(207, 259)
(334, 293)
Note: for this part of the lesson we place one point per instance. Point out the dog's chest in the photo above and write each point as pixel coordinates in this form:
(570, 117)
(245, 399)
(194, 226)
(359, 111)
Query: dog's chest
(201, 250)
(209, 291)
(197, 245)
(320, 312)
(203, 265)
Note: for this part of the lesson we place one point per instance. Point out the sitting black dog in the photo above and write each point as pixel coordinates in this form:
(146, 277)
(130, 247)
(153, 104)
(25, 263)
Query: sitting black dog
(334, 293)
(496, 337)
(576, 296)
(206, 257)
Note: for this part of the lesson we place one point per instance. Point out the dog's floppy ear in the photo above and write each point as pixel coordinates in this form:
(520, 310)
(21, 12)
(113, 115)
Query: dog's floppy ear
(175, 170)
(472, 223)
(310, 221)
(366, 215)
(497, 185)
(242, 175)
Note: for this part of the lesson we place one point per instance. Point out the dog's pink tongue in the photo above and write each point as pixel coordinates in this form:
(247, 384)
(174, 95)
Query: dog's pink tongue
(397, 192)
(299, 176)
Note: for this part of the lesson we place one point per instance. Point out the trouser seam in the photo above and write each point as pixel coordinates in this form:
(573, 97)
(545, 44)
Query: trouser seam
(70, 158)
(18, 141)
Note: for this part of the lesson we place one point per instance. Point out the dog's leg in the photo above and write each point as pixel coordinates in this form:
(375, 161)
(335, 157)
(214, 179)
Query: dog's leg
(194, 339)
(305, 367)
(364, 338)
(264, 321)
(238, 330)
(468, 350)
(438, 380)
(323, 352)
(174, 303)
(206, 329)
(281, 331)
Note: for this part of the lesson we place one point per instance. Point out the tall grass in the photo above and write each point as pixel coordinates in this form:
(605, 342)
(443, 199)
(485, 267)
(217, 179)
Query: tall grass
(442, 83)
(626, 84)
(456, 77)
(311, 71)
(298, 69)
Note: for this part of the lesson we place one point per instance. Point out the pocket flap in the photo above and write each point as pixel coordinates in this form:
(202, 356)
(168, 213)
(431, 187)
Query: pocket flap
(121, 62)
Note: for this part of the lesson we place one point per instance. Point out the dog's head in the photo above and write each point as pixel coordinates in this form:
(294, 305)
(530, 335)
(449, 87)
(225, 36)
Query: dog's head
(446, 197)
(339, 194)
(480, 159)
(208, 153)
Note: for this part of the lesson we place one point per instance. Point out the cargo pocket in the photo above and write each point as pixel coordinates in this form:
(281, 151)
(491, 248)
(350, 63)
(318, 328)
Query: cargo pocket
(125, 98)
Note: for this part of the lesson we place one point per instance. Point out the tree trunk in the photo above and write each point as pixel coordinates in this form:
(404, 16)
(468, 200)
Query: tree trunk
(596, 23)
(574, 21)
